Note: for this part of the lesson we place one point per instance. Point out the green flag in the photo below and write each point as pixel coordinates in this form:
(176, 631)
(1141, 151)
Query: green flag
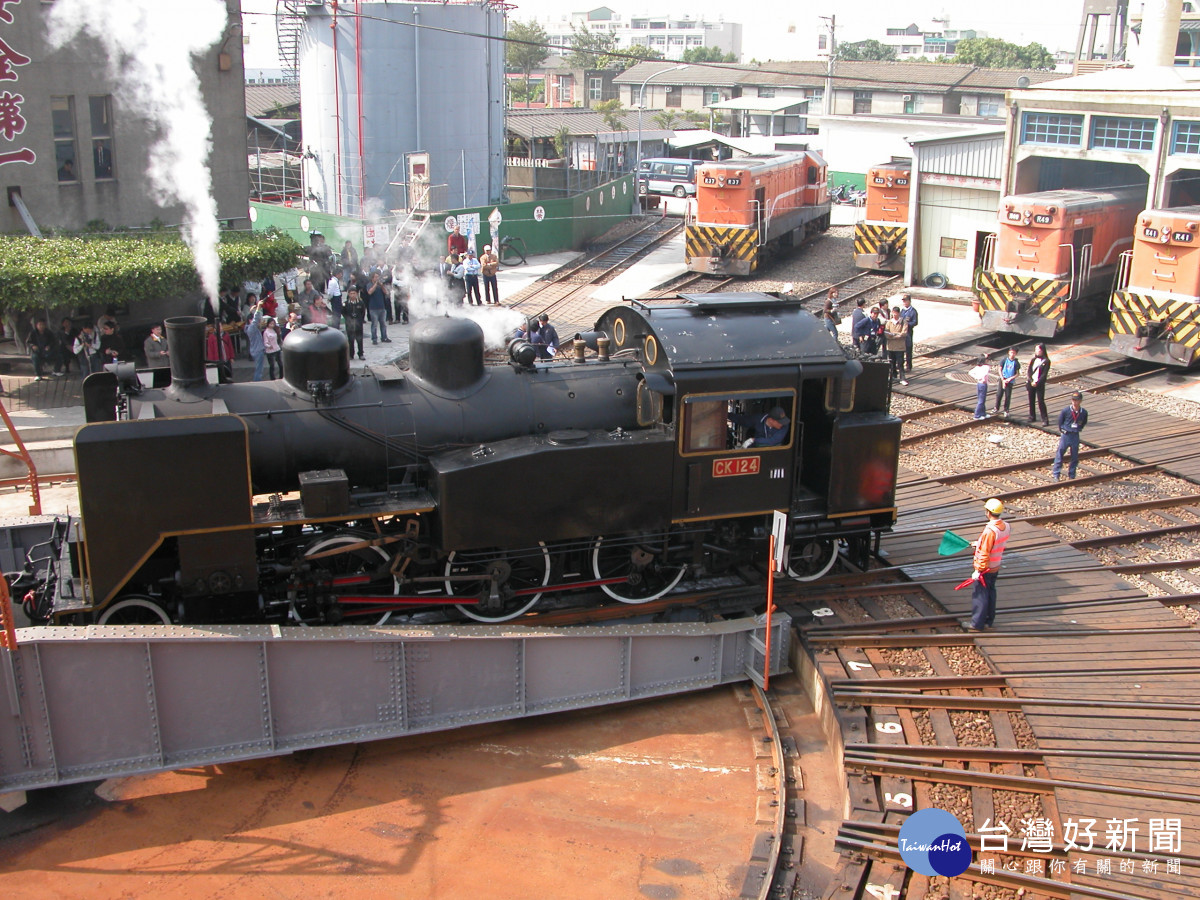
(951, 544)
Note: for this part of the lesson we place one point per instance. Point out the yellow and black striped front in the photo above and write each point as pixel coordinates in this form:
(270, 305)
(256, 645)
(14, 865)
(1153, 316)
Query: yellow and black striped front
(1163, 330)
(721, 249)
(880, 246)
(1023, 304)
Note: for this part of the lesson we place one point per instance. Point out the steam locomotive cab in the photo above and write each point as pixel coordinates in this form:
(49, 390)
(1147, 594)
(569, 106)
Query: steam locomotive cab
(328, 497)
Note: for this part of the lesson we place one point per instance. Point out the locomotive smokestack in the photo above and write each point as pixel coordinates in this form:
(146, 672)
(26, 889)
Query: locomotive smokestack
(185, 345)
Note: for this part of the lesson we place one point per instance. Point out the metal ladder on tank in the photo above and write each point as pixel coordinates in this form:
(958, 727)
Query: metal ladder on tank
(408, 232)
(400, 469)
(289, 27)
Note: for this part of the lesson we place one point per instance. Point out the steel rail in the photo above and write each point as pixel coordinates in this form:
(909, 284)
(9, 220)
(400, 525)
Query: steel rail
(1133, 536)
(1114, 450)
(1030, 884)
(1053, 379)
(1026, 783)
(1060, 516)
(952, 639)
(572, 288)
(986, 704)
(775, 838)
(974, 839)
(950, 682)
(996, 754)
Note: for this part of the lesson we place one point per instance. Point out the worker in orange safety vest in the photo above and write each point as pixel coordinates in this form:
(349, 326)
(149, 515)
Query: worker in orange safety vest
(989, 551)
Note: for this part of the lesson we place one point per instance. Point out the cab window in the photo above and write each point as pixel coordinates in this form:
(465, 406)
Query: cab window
(713, 424)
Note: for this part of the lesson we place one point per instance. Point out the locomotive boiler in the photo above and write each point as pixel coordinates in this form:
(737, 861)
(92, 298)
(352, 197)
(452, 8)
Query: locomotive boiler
(751, 207)
(1054, 253)
(881, 238)
(632, 466)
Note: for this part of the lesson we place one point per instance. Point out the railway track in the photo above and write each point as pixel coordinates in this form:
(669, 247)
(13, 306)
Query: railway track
(1079, 704)
(935, 717)
(692, 283)
(552, 293)
(850, 289)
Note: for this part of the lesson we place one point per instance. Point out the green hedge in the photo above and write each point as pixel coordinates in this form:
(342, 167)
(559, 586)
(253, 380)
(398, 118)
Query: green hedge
(38, 274)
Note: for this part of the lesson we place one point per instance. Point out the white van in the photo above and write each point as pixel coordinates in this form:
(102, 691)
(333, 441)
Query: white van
(668, 176)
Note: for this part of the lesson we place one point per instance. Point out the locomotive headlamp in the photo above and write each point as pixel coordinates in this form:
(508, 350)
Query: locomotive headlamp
(1052, 210)
(1191, 226)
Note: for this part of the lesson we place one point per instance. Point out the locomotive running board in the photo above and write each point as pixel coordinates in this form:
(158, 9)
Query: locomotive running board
(87, 703)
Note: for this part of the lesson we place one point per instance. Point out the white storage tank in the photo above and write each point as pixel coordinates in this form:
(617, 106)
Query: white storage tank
(381, 80)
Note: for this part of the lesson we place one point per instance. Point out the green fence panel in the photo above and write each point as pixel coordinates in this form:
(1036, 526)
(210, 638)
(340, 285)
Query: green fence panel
(545, 226)
(298, 223)
(854, 179)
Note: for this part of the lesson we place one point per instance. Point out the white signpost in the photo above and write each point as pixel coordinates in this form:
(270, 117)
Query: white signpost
(377, 234)
(494, 221)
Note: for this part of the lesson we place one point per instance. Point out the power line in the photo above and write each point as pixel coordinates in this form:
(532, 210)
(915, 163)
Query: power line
(748, 68)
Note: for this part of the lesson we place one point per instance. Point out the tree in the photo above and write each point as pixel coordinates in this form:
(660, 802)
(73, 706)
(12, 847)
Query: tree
(707, 54)
(611, 111)
(526, 49)
(523, 90)
(866, 50)
(593, 50)
(668, 119)
(562, 142)
(993, 53)
(74, 272)
(641, 51)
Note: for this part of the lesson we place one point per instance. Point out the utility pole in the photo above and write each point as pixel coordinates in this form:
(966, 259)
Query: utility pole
(828, 105)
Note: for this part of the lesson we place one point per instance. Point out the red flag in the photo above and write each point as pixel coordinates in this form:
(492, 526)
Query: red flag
(964, 584)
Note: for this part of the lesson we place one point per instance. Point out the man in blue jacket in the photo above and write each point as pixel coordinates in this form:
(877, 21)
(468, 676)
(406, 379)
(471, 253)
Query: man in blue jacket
(908, 313)
(1071, 421)
(770, 429)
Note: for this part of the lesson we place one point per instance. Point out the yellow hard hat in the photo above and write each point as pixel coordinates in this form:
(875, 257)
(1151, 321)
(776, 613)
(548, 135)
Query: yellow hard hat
(994, 506)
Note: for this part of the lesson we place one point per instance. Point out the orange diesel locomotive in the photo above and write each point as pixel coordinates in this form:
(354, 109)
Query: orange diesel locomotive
(1155, 305)
(1053, 249)
(881, 239)
(749, 207)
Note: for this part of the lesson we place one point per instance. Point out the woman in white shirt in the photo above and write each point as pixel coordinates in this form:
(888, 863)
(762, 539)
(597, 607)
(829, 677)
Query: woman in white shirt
(980, 373)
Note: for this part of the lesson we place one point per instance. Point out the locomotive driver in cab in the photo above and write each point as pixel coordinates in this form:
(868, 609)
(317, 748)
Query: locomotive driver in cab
(770, 428)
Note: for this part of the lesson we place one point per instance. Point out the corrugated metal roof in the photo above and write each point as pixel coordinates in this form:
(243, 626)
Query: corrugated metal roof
(857, 75)
(760, 104)
(544, 123)
(264, 98)
(708, 74)
(979, 156)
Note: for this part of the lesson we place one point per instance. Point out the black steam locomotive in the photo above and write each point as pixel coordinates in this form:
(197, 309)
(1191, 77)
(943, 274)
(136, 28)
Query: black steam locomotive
(329, 496)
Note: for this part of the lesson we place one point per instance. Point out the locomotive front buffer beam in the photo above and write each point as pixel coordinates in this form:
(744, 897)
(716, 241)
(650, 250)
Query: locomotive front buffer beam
(83, 703)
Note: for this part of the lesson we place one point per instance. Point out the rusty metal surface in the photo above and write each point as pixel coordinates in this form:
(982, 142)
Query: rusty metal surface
(655, 800)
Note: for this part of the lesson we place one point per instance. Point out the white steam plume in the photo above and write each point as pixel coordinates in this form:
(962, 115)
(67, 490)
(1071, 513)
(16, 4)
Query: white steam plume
(428, 296)
(150, 45)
